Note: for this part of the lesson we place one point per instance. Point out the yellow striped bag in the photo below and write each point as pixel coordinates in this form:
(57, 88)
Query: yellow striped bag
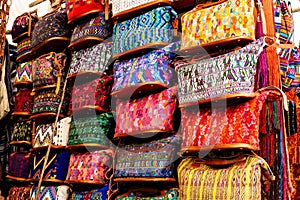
(239, 181)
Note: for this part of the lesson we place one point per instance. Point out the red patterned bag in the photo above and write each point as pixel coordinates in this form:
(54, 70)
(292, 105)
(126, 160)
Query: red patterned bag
(19, 193)
(95, 93)
(154, 113)
(90, 166)
(234, 126)
(23, 102)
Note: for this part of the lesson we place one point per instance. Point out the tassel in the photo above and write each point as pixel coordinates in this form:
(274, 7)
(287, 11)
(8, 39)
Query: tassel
(262, 71)
(268, 9)
(273, 64)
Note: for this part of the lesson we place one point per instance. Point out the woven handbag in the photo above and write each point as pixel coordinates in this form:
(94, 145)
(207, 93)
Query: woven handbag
(153, 159)
(157, 27)
(237, 126)
(77, 9)
(47, 101)
(60, 192)
(231, 73)
(56, 167)
(240, 180)
(51, 33)
(100, 193)
(18, 164)
(148, 194)
(95, 59)
(24, 50)
(23, 74)
(23, 102)
(94, 130)
(90, 167)
(44, 132)
(93, 94)
(22, 132)
(23, 25)
(153, 114)
(153, 69)
(221, 23)
(90, 31)
(48, 70)
(19, 193)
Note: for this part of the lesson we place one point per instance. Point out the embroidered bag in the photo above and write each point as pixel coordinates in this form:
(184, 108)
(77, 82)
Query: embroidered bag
(18, 164)
(91, 194)
(44, 132)
(89, 31)
(125, 8)
(48, 70)
(23, 102)
(230, 73)
(153, 68)
(80, 9)
(236, 126)
(95, 94)
(153, 113)
(95, 129)
(90, 166)
(241, 180)
(60, 192)
(23, 25)
(56, 168)
(47, 100)
(24, 50)
(95, 59)
(19, 193)
(23, 73)
(219, 23)
(22, 132)
(147, 194)
(153, 28)
(52, 27)
(153, 159)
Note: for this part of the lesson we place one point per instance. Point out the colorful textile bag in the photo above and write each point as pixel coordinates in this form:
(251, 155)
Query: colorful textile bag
(153, 68)
(22, 132)
(44, 132)
(19, 193)
(61, 192)
(56, 168)
(153, 113)
(226, 21)
(91, 30)
(23, 26)
(48, 70)
(79, 9)
(90, 166)
(125, 8)
(237, 126)
(23, 49)
(23, 73)
(155, 27)
(91, 194)
(53, 26)
(47, 100)
(230, 73)
(241, 180)
(23, 102)
(94, 59)
(147, 194)
(95, 94)
(18, 164)
(153, 159)
(96, 129)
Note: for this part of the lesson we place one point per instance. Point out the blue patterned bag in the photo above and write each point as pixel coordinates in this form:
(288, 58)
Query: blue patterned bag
(90, 195)
(153, 68)
(153, 28)
(154, 159)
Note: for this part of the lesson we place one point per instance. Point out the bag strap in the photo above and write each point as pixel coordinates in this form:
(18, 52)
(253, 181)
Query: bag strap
(4, 14)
